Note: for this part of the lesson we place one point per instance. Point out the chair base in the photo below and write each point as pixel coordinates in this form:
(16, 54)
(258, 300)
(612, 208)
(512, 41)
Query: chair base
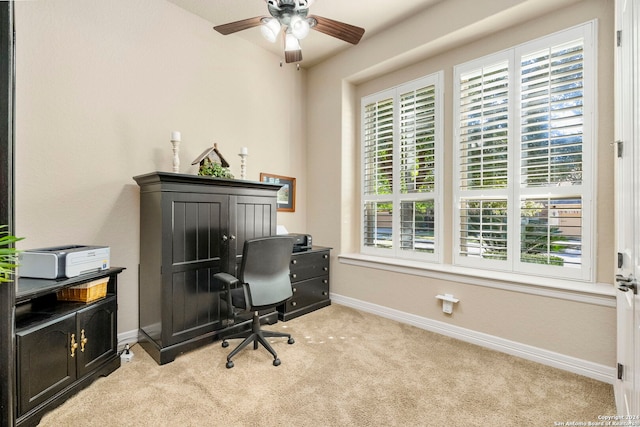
(255, 336)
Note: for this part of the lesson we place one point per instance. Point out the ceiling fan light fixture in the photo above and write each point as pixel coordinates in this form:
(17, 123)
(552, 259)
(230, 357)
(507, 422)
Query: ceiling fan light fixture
(270, 29)
(291, 43)
(299, 27)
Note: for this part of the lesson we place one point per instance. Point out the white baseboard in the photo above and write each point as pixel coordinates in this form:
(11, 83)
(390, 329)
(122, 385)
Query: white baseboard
(129, 337)
(589, 369)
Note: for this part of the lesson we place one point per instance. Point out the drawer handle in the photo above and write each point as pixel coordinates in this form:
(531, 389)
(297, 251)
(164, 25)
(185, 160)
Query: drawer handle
(325, 281)
(293, 276)
(294, 290)
(74, 345)
(325, 256)
(325, 293)
(293, 304)
(294, 261)
(83, 341)
(325, 268)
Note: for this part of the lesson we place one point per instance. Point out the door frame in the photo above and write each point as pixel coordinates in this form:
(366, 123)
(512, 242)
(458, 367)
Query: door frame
(627, 132)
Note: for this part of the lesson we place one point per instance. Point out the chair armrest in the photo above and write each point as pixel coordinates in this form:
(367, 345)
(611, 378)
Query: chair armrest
(225, 281)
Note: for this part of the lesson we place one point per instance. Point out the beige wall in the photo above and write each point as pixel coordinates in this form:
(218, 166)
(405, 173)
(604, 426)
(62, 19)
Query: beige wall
(453, 32)
(100, 85)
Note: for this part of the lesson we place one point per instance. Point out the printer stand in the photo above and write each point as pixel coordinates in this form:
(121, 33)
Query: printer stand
(61, 346)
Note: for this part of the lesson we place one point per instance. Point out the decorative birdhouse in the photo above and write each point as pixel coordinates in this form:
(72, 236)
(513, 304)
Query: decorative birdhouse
(212, 163)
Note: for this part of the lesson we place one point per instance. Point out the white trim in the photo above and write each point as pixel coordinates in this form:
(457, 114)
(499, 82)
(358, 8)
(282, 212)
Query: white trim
(567, 363)
(602, 294)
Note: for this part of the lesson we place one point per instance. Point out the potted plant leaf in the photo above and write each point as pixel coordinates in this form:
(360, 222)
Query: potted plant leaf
(8, 254)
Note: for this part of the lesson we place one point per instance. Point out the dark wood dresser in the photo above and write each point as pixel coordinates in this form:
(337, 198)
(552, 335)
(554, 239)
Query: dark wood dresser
(310, 282)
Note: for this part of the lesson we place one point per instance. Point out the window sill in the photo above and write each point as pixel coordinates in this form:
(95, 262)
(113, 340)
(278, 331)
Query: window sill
(593, 293)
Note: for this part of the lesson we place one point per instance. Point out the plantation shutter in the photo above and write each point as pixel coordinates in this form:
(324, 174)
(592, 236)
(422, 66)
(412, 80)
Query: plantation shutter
(483, 161)
(483, 127)
(552, 116)
(552, 154)
(401, 140)
(378, 147)
(417, 140)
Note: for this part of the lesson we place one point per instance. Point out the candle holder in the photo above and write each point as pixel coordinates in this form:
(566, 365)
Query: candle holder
(175, 141)
(243, 164)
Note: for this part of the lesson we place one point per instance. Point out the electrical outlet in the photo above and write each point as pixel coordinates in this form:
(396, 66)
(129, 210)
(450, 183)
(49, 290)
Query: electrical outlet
(126, 354)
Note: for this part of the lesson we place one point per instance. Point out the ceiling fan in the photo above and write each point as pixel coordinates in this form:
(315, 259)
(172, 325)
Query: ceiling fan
(292, 19)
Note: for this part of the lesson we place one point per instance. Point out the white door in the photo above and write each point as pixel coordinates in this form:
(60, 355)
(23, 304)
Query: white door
(627, 387)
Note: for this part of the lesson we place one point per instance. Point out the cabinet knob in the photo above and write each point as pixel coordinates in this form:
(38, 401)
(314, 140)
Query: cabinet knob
(294, 275)
(224, 238)
(74, 345)
(83, 341)
(325, 256)
(325, 293)
(294, 261)
(325, 281)
(232, 237)
(294, 290)
(293, 304)
(325, 268)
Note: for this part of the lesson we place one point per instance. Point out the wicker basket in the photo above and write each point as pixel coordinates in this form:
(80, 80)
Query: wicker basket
(87, 292)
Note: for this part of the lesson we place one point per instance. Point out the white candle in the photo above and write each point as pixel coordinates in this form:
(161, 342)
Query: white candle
(244, 151)
(175, 136)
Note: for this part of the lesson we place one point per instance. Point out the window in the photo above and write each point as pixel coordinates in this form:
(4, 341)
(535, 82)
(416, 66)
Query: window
(401, 155)
(524, 136)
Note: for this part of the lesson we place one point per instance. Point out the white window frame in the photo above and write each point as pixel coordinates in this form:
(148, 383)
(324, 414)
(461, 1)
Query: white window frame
(513, 193)
(396, 198)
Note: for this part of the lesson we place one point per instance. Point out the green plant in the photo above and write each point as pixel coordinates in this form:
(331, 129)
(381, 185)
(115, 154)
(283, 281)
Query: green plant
(209, 168)
(8, 254)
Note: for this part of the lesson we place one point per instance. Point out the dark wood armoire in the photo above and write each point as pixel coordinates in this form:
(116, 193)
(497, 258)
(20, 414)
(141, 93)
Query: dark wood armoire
(192, 227)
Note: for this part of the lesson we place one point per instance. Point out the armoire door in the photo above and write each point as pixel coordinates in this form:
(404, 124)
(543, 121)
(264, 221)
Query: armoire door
(250, 217)
(194, 225)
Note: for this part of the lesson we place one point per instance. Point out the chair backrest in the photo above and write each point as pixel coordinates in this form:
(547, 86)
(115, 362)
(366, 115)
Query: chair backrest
(265, 270)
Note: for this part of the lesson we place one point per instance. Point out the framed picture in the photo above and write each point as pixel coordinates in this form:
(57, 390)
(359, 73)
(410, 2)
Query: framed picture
(287, 194)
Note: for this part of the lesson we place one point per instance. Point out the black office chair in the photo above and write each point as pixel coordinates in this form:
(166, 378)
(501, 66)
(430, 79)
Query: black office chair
(263, 283)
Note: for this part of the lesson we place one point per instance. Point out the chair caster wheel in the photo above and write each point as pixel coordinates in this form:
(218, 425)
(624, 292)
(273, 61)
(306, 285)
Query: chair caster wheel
(291, 341)
(229, 364)
(225, 344)
(276, 362)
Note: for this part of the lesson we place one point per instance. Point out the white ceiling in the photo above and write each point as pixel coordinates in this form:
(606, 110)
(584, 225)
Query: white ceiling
(372, 15)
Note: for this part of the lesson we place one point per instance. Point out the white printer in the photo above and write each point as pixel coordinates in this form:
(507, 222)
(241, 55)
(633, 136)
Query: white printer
(63, 261)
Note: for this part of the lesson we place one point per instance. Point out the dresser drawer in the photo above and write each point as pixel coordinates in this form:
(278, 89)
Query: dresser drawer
(308, 295)
(309, 291)
(305, 265)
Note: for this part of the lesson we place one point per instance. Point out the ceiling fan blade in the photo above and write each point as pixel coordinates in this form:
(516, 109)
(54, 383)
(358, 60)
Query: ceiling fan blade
(340, 30)
(234, 27)
(292, 56)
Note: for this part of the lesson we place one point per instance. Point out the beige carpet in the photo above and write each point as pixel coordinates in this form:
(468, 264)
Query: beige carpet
(347, 368)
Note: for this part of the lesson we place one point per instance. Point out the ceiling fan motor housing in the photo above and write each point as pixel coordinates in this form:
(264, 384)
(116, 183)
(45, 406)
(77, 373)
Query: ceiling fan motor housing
(286, 10)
